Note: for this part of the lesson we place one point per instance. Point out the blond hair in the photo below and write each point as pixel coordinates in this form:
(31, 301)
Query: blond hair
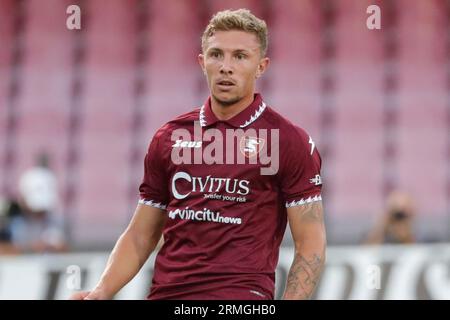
(242, 20)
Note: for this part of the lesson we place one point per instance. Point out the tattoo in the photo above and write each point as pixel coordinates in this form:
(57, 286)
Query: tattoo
(303, 276)
(311, 212)
(309, 258)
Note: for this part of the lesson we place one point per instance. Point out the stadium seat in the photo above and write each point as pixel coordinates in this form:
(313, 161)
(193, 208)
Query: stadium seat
(107, 107)
(423, 128)
(6, 51)
(218, 5)
(357, 146)
(295, 92)
(43, 104)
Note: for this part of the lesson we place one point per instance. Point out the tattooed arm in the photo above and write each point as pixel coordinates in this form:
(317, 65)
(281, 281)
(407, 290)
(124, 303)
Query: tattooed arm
(308, 231)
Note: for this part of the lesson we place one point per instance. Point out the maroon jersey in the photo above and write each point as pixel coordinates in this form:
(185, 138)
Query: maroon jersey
(226, 214)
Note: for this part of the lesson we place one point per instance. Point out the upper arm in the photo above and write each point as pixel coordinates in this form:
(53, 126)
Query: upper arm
(148, 221)
(307, 224)
(299, 177)
(147, 224)
(154, 189)
(301, 186)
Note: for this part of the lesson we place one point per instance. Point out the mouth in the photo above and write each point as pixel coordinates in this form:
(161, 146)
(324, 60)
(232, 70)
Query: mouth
(225, 84)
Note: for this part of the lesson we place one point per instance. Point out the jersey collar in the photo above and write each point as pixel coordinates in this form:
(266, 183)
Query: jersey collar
(241, 120)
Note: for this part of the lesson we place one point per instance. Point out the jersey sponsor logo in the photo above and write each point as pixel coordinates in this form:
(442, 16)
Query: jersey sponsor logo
(251, 146)
(209, 184)
(187, 144)
(204, 215)
(317, 180)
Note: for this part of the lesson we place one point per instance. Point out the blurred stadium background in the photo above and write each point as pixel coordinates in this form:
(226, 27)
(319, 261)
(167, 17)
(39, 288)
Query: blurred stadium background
(376, 102)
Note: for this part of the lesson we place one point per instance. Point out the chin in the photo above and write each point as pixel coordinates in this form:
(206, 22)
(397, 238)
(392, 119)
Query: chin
(227, 100)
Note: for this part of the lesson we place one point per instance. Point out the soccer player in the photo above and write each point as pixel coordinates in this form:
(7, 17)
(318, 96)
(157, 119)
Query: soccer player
(223, 219)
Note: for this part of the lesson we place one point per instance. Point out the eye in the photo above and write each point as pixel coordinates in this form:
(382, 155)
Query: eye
(240, 56)
(215, 54)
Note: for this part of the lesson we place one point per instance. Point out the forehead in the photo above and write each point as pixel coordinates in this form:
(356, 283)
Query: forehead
(233, 40)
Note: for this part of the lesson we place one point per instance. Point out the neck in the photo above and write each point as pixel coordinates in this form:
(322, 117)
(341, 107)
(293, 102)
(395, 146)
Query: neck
(225, 112)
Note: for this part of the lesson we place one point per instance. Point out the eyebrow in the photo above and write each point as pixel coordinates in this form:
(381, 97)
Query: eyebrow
(234, 51)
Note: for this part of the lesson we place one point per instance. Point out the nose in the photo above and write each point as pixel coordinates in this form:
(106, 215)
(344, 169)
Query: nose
(226, 67)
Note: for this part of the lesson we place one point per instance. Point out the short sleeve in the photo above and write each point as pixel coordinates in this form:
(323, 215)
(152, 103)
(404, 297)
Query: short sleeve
(300, 180)
(153, 189)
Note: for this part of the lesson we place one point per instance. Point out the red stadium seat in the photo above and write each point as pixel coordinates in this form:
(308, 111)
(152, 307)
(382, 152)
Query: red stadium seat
(295, 39)
(107, 109)
(174, 75)
(423, 106)
(6, 51)
(43, 104)
(257, 7)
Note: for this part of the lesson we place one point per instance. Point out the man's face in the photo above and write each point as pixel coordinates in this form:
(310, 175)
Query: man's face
(231, 62)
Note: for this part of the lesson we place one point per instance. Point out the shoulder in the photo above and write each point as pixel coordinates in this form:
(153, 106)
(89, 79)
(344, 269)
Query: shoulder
(290, 134)
(184, 120)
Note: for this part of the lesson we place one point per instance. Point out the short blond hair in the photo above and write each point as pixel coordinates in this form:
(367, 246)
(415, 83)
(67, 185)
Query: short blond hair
(241, 19)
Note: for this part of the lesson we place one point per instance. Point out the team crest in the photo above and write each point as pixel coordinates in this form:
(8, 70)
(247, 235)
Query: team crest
(251, 146)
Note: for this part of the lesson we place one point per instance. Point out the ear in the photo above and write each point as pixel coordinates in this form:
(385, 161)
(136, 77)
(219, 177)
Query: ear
(201, 62)
(262, 66)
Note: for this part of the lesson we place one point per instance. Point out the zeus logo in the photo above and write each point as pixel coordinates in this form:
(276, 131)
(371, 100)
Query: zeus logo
(209, 184)
(313, 145)
(187, 144)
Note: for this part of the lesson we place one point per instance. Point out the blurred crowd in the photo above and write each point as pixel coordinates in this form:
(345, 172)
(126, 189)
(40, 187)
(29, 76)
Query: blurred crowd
(31, 223)
(396, 223)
